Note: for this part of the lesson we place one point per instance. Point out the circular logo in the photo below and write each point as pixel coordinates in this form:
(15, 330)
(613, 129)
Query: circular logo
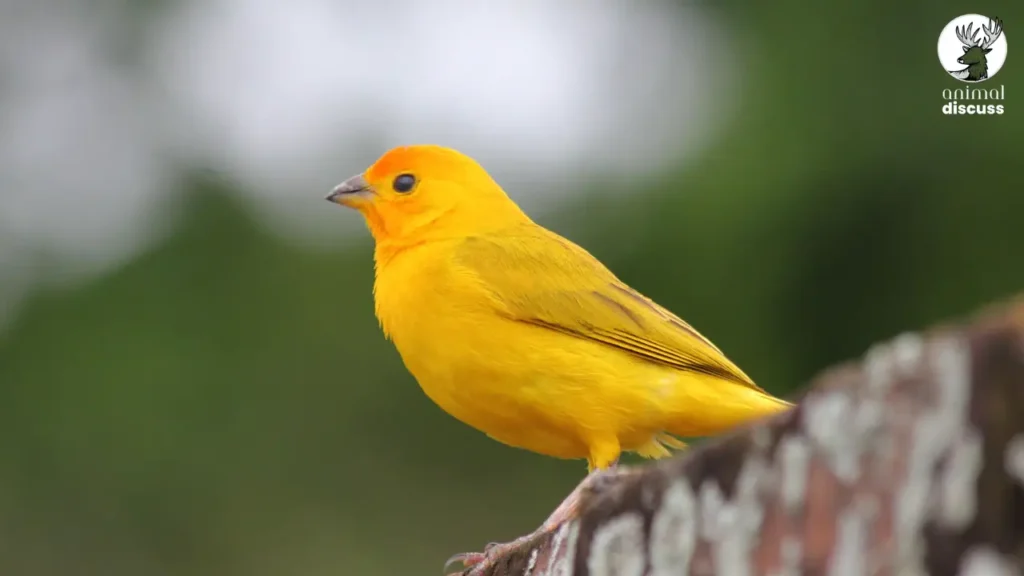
(972, 47)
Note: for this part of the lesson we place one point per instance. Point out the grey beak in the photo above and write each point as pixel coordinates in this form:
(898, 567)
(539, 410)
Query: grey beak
(353, 185)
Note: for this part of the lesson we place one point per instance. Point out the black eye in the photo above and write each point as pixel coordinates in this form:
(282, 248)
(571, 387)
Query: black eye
(404, 182)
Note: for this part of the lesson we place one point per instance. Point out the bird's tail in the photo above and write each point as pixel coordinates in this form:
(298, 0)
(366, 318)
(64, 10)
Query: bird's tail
(713, 411)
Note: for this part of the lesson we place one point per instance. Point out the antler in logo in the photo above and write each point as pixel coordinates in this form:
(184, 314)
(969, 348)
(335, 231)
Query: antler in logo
(975, 51)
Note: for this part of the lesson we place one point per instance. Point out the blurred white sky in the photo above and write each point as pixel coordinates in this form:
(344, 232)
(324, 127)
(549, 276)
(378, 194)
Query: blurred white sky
(96, 114)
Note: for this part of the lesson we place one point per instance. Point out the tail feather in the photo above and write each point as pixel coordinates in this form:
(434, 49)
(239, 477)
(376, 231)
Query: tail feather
(706, 415)
(662, 444)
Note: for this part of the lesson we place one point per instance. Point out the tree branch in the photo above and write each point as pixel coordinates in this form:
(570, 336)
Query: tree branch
(910, 461)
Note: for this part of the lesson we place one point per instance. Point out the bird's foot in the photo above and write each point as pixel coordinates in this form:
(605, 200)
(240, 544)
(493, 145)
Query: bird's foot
(477, 563)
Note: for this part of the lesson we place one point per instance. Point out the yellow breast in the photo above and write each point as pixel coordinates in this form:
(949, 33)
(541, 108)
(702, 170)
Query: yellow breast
(517, 383)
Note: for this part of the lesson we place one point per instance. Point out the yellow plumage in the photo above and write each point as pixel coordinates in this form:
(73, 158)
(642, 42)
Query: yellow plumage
(524, 335)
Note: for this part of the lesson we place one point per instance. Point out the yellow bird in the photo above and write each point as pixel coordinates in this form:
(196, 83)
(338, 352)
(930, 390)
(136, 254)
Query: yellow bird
(524, 335)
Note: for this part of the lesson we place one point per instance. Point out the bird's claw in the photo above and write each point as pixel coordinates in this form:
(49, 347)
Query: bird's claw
(477, 562)
(467, 559)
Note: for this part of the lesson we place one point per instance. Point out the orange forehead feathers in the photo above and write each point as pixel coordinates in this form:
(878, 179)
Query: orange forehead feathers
(418, 158)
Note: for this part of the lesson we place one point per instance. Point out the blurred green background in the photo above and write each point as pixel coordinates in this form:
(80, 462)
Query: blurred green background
(224, 402)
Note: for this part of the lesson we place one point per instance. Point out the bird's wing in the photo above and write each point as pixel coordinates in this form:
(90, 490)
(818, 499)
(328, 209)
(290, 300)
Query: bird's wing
(538, 277)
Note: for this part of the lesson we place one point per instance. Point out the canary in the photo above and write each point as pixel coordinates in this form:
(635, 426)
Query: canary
(524, 335)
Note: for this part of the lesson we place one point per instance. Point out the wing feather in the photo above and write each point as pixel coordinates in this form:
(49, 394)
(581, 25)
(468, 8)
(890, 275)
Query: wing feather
(540, 278)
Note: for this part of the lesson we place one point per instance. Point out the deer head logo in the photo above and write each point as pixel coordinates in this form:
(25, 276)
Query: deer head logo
(976, 44)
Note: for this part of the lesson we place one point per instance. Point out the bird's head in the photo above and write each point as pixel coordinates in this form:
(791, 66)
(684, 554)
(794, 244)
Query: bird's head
(412, 194)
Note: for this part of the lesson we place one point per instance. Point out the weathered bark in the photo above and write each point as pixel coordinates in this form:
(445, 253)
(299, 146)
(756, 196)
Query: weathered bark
(910, 461)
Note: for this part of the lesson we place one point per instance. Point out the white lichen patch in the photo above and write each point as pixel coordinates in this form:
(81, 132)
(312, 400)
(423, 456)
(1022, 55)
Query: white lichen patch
(933, 435)
(884, 364)
(674, 531)
(878, 370)
(986, 561)
(617, 548)
(850, 555)
(791, 555)
(868, 419)
(952, 361)
(1013, 459)
(564, 538)
(531, 562)
(958, 503)
(907, 351)
(884, 456)
(912, 499)
(713, 510)
(794, 460)
(732, 526)
(886, 361)
(829, 423)
(900, 357)
(756, 476)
